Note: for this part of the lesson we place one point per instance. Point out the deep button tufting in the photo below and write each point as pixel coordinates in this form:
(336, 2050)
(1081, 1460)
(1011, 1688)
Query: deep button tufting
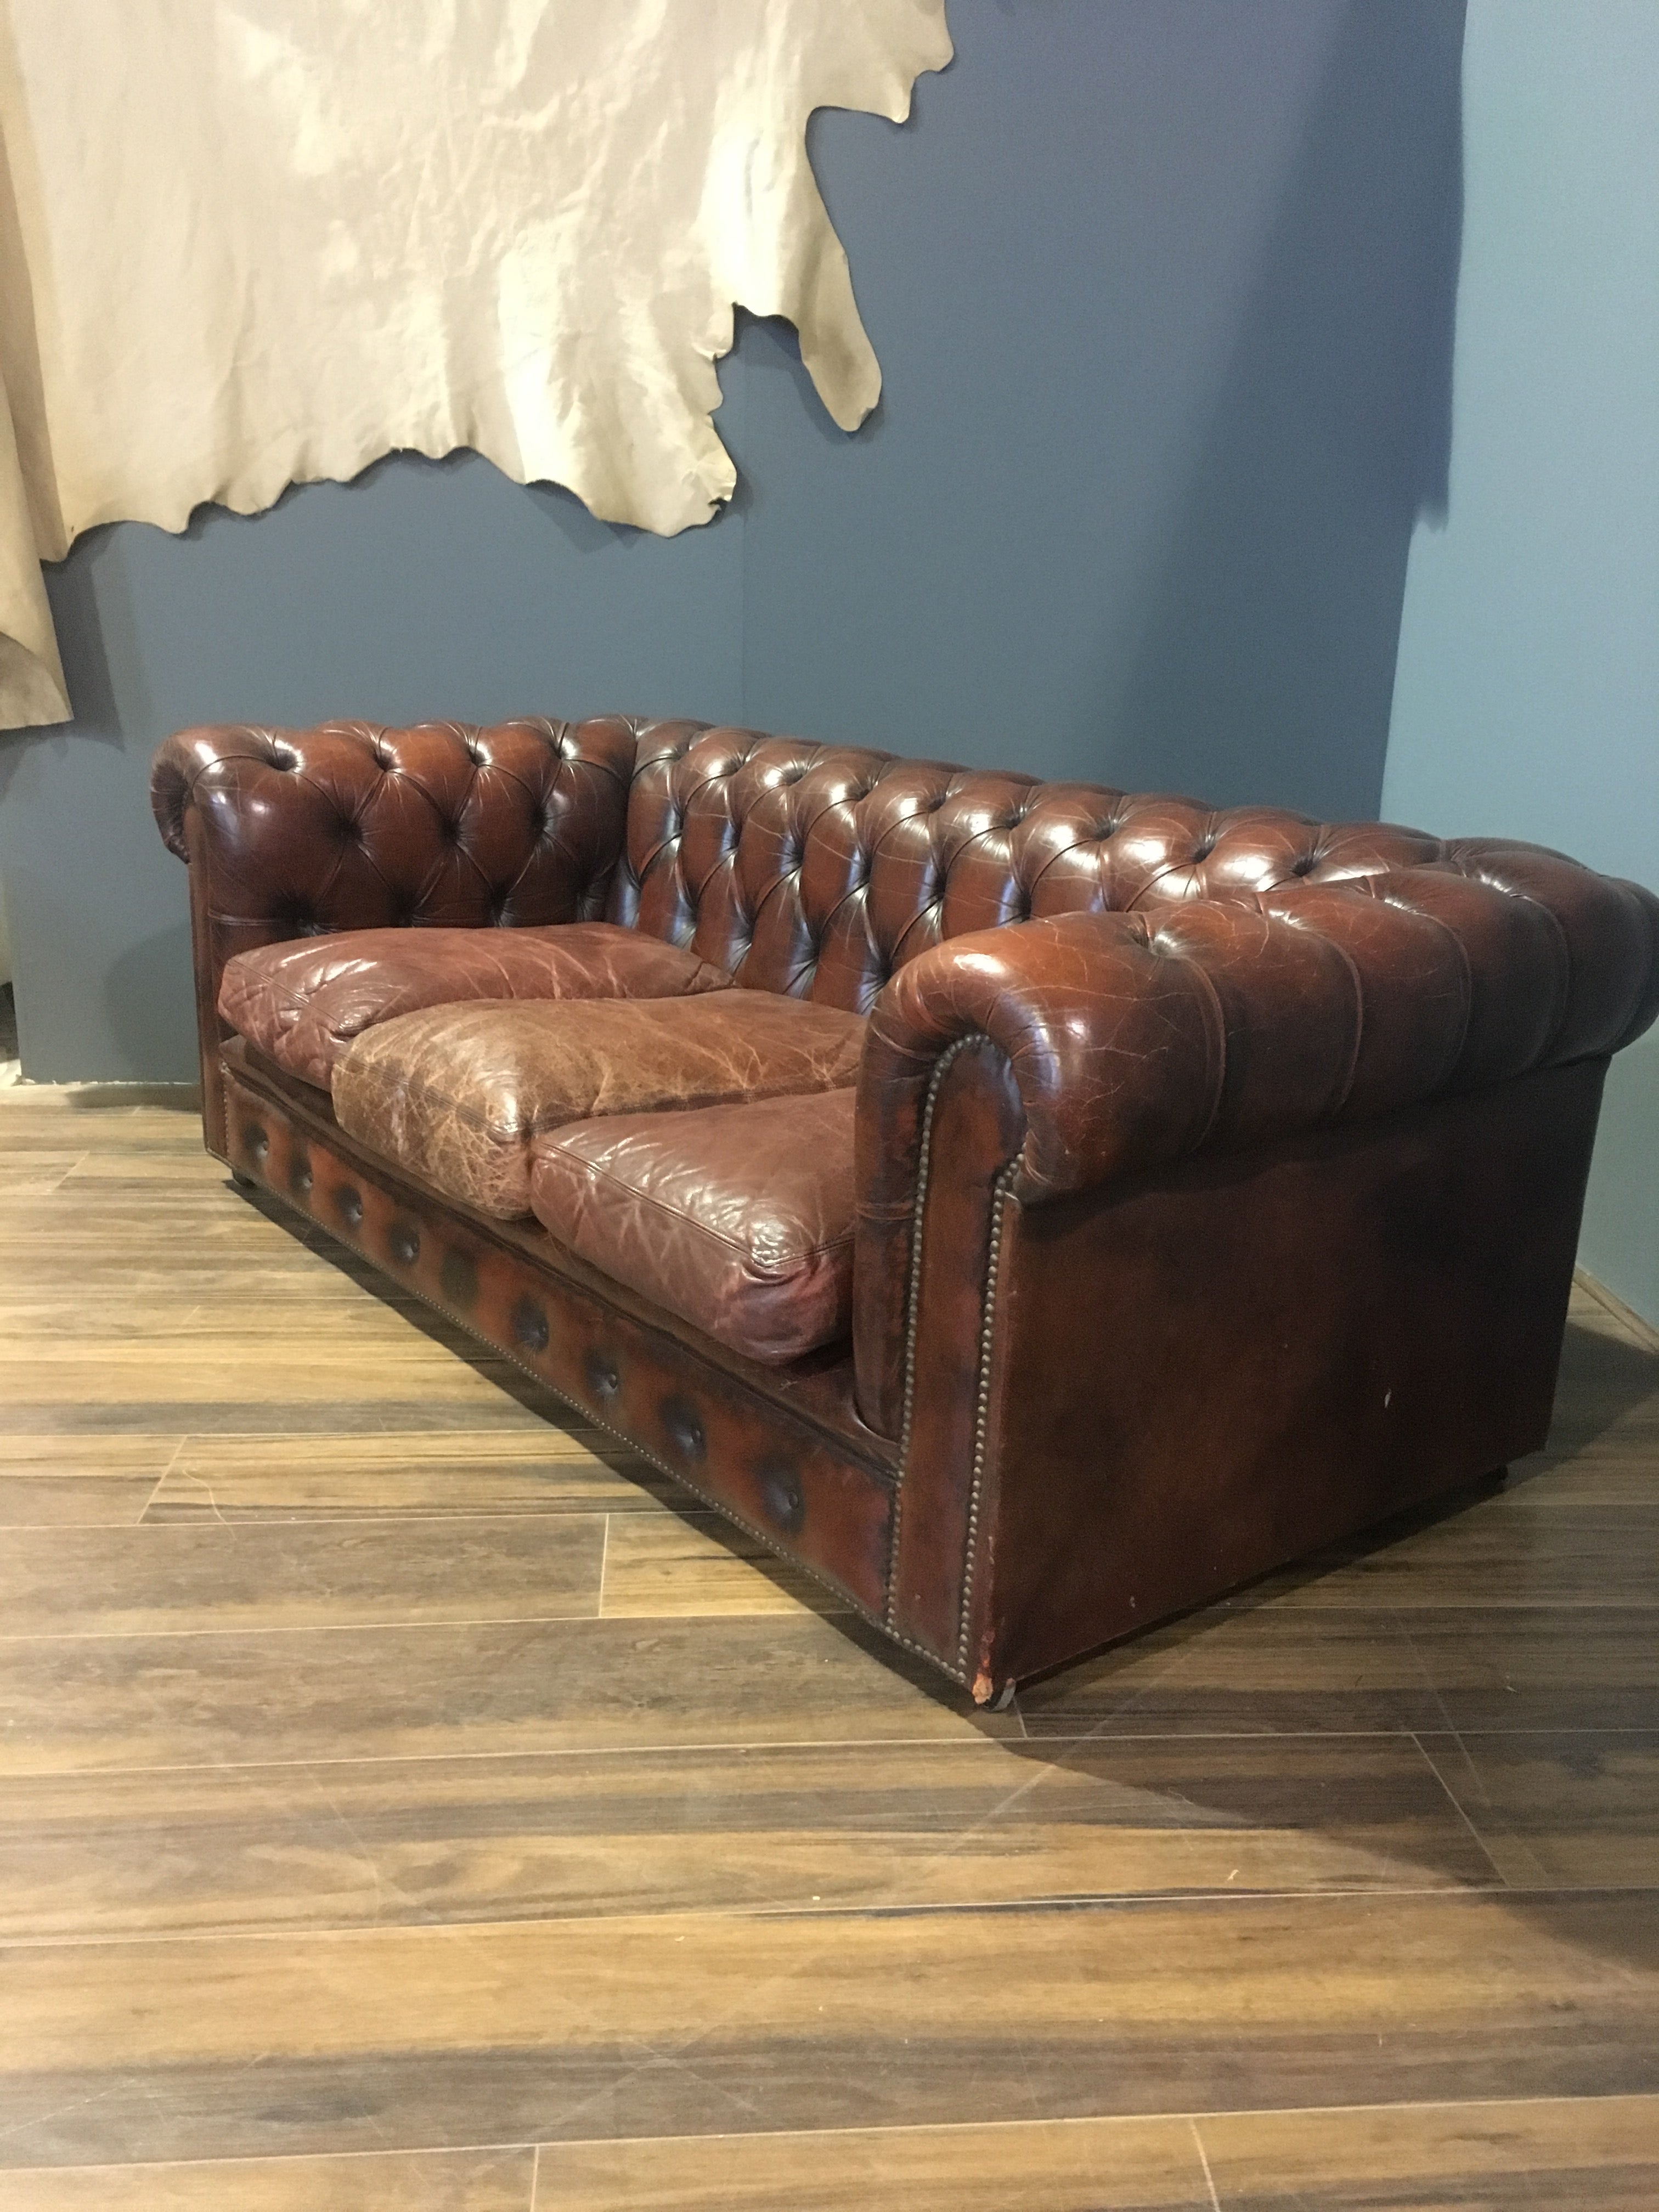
(348, 1204)
(530, 1325)
(1203, 849)
(405, 1243)
(298, 1174)
(1305, 865)
(283, 758)
(603, 1375)
(684, 1425)
(256, 1140)
(783, 1501)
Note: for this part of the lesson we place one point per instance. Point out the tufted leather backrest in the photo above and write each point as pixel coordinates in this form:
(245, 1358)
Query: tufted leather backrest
(818, 870)
(351, 826)
(293, 833)
(814, 870)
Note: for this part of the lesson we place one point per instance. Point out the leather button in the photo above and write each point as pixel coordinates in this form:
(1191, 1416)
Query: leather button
(782, 1501)
(298, 1174)
(604, 1376)
(348, 1204)
(530, 1325)
(685, 1430)
(256, 1140)
(405, 1243)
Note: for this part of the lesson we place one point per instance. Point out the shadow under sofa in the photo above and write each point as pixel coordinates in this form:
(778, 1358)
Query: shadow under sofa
(1162, 1193)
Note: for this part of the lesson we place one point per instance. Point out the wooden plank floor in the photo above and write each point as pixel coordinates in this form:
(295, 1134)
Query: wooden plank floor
(408, 1805)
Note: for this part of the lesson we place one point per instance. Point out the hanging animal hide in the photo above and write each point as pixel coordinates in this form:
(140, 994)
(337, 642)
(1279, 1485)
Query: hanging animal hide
(249, 243)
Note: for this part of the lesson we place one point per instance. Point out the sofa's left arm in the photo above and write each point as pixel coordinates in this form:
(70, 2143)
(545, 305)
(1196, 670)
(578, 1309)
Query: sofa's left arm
(295, 833)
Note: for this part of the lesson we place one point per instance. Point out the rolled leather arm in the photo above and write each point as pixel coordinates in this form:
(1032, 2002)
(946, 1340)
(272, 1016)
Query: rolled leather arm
(350, 826)
(1136, 1039)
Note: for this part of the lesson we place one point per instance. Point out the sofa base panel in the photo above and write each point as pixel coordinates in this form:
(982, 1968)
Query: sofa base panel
(755, 1461)
(1229, 1368)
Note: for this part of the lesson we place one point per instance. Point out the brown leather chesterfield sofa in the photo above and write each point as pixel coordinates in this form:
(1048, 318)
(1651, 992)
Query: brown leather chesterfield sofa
(1036, 1209)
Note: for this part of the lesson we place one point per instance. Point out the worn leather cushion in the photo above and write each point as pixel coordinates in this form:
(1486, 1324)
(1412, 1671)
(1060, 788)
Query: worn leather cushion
(458, 1094)
(739, 1219)
(303, 1004)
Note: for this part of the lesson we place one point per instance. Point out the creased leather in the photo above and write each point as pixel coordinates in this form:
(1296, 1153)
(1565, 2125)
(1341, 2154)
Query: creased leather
(1134, 1039)
(457, 1095)
(737, 1218)
(1179, 977)
(303, 1004)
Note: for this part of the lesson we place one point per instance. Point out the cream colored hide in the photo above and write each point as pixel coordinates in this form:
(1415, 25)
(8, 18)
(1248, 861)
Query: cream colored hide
(246, 243)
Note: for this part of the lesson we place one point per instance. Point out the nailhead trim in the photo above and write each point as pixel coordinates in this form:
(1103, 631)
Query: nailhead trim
(987, 1345)
(912, 1303)
(982, 1412)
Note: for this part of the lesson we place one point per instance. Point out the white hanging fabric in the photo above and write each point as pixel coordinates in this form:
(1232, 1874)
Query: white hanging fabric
(248, 243)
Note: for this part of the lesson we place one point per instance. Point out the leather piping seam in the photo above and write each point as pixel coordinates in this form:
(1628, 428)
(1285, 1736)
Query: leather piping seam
(674, 1474)
(1000, 1190)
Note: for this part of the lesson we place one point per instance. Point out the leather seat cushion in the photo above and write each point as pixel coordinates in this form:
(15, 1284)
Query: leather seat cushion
(739, 1219)
(302, 1004)
(458, 1094)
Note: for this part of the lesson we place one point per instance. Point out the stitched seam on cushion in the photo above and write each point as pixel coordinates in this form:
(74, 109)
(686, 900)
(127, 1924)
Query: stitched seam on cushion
(676, 1213)
(981, 1405)
(419, 1089)
(545, 1118)
(285, 999)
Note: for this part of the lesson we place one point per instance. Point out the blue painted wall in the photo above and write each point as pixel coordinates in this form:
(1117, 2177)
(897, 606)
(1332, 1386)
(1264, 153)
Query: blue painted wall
(1162, 293)
(1527, 696)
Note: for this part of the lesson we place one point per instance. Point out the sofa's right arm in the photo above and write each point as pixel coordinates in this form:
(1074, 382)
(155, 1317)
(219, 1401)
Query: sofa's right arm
(294, 833)
(1101, 1046)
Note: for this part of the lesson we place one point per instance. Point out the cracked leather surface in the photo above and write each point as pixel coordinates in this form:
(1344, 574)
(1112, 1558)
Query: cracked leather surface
(457, 1095)
(303, 1004)
(737, 1218)
(1176, 977)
